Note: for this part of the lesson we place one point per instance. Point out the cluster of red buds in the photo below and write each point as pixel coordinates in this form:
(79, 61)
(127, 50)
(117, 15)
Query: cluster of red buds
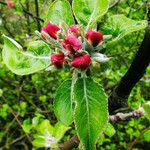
(11, 3)
(72, 42)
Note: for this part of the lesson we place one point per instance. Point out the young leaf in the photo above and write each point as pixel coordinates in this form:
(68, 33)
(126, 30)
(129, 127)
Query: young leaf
(119, 26)
(21, 62)
(88, 12)
(39, 141)
(59, 130)
(91, 114)
(60, 10)
(48, 135)
(63, 103)
(45, 128)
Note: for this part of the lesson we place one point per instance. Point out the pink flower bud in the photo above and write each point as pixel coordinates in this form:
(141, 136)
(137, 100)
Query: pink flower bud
(75, 30)
(71, 43)
(51, 29)
(11, 4)
(81, 62)
(57, 60)
(93, 37)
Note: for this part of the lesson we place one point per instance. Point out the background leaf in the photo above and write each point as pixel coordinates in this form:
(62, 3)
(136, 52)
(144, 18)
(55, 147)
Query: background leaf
(112, 3)
(119, 26)
(88, 12)
(146, 107)
(110, 131)
(23, 63)
(60, 10)
(146, 136)
(91, 113)
(63, 103)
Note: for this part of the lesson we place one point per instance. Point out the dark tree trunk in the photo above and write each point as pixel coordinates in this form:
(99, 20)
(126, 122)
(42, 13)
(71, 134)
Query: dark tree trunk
(120, 94)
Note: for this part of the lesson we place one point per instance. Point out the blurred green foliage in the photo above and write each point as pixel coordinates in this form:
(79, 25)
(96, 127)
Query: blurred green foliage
(23, 98)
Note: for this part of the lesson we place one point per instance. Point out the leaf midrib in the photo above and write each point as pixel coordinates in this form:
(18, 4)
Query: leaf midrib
(87, 107)
(91, 16)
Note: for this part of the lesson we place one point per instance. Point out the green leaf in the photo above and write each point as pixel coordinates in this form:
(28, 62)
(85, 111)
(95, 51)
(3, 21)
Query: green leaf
(25, 62)
(110, 131)
(146, 107)
(45, 128)
(27, 126)
(47, 134)
(63, 103)
(59, 130)
(146, 136)
(113, 3)
(88, 12)
(91, 114)
(60, 10)
(119, 26)
(39, 141)
(44, 141)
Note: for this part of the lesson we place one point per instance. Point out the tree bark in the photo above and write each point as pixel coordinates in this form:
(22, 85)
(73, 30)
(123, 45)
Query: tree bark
(120, 94)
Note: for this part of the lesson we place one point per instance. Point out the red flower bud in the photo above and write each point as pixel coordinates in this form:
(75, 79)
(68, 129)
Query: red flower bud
(94, 38)
(51, 29)
(71, 43)
(57, 60)
(75, 30)
(11, 4)
(81, 62)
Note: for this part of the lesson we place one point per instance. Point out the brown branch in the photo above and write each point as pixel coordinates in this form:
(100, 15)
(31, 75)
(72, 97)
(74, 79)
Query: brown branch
(3, 3)
(17, 140)
(37, 14)
(27, 12)
(126, 116)
(27, 17)
(74, 141)
(30, 14)
(136, 139)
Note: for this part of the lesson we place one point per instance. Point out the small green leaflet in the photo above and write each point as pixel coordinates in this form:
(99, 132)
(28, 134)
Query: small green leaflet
(88, 12)
(63, 103)
(110, 131)
(119, 26)
(91, 114)
(25, 62)
(60, 10)
(48, 135)
(45, 135)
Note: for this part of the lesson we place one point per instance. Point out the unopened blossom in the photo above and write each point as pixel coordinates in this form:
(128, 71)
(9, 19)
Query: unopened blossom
(58, 60)
(94, 37)
(51, 29)
(81, 62)
(75, 30)
(71, 43)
